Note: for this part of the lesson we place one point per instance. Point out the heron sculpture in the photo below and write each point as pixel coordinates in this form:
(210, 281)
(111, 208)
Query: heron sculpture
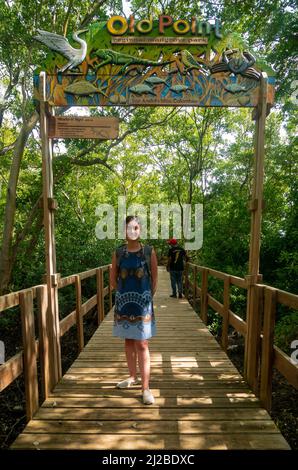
(60, 44)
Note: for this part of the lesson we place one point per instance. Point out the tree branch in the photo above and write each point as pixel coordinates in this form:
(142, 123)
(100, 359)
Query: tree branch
(89, 16)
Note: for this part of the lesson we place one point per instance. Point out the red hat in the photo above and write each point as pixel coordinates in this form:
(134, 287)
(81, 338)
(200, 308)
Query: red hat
(172, 241)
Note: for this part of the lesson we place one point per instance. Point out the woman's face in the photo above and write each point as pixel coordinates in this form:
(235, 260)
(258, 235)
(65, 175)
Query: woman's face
(133, 230)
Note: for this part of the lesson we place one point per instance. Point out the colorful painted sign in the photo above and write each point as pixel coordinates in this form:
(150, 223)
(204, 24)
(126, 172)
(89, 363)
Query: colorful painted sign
(151, 63)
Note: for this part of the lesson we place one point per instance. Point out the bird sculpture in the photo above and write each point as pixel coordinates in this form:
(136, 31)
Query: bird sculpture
(60, 44)
(189, 61)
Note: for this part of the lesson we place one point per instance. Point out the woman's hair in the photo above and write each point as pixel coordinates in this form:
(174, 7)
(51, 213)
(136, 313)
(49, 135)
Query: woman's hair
(129, 218)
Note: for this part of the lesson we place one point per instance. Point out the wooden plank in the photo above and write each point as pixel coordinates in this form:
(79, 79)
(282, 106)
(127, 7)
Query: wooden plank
(137, 414)
(66, 281)
(79, 316)
(194, 284)
(288, 299)
(49, 233)
(238, 281)
(87, 274)
(237, 323)
(226, 310)
(283, 364)
(105, 291)
(267, 347)
(100, 304)
(88, 305)
(204, 296)
(9, 301)
(160, 426)
(83, 127)
(110, 289)
(154, 441)
(29, 353)
(108, 385)
(216, 305)
(11, 370)
(186, 277)
(12, 299)
(90, 390)
(217, 274)
(253, 340)
(160, 402)
(67, 322)
(44, 355)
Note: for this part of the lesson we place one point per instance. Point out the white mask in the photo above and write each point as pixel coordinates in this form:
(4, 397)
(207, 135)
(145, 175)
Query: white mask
(133, 230)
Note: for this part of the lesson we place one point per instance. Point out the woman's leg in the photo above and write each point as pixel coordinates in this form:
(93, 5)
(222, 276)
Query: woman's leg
(131, 357)
(144, 361)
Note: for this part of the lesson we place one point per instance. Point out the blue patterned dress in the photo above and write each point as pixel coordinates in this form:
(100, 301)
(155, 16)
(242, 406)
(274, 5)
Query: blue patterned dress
(133, 310)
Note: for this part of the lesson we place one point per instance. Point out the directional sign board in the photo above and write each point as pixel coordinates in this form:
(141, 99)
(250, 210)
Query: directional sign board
(78, 127)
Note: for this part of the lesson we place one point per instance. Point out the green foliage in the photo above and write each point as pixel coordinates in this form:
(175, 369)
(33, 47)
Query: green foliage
(162, 156)
(286, 331)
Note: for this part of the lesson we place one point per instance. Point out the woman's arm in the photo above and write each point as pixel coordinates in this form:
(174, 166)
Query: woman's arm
(154, 270)
(113, 272)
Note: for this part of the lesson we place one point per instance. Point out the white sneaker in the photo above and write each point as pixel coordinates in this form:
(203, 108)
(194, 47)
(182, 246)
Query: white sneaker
(148, 398)
(127, 383)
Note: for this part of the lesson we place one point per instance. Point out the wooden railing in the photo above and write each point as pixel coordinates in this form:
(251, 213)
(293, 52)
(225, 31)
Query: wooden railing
(269, 355)
(34, 349)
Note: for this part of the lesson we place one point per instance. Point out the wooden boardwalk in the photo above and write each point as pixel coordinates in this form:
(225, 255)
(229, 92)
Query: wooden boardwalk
(201, 402)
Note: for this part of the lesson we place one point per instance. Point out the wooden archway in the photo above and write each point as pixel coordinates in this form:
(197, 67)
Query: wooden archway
(221, 87)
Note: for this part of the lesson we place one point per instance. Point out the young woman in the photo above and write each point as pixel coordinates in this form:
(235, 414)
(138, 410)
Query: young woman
(133, 313)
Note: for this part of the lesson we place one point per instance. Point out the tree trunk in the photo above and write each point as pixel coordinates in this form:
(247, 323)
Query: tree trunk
(10, 207)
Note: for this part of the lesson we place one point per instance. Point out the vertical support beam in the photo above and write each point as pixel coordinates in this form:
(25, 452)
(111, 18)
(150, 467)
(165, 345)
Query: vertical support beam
(267, 347)
(44, 359)
(50, 248)
(30, 365)
(100, 298)
(110, 289)
(79, 317)
(186, 280)
(204, 296)
(194, 287)
(225, 320)
(252, 314)
(254, 344)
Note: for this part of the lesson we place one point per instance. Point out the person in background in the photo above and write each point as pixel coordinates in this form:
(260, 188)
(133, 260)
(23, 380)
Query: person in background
(175, 266)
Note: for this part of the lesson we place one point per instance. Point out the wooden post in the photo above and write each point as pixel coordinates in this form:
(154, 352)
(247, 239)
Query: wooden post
(100, 298)
(194, 287)
(253, 358)
(267, 347)
(225, 320)
(29, 354)
(252, 315)
(204, 296)
(44, 359)
(186, 280)
(79, 317)
(50, 248)
(110, 289)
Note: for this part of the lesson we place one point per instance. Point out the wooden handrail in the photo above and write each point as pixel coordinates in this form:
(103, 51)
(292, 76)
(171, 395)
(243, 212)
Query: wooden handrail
(25, 361)
(270, 355)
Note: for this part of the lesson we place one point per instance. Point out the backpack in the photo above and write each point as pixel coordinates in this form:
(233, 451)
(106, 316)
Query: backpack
(146, 249)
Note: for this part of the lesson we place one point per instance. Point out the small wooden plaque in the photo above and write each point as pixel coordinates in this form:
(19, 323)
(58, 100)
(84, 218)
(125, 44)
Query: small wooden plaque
(78, 127)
